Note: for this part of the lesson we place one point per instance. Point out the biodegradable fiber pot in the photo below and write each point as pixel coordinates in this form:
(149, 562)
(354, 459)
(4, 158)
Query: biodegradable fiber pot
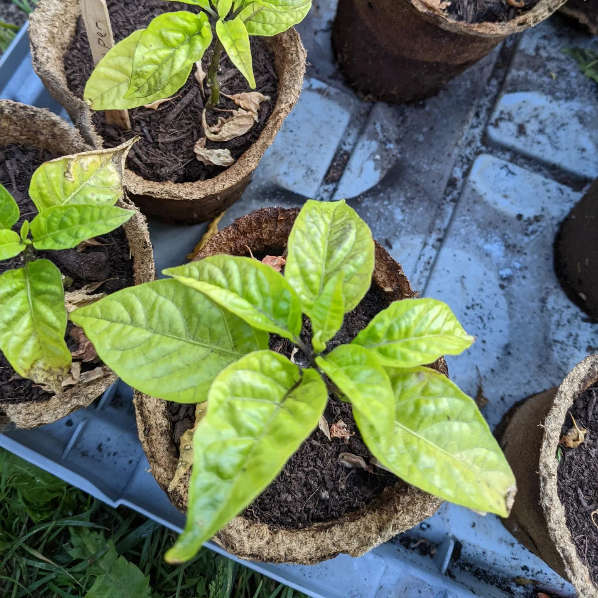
(399, 508)
(530, 441)
(51, 31)
(407, 50)
(41, 129)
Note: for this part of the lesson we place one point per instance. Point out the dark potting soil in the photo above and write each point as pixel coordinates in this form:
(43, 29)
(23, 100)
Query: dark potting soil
(110, 262)
(314, 486)
(168, 134)
(577, 475)
(488, 11)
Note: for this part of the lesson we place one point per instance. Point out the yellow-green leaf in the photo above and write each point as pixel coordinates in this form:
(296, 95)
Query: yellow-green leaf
(249, 289)
(165, 339)
(205, 4)
(260, 409)
(272, 18)
(235, 39)
(223, 7)
(9, 210)
(93, 178)
(33, 323)
(366, 385)
(10, 244)
(328, 312)
(172, 43)
(328, 238)
(442, 444)
(109, 81)
(414, 332)
(64, 227)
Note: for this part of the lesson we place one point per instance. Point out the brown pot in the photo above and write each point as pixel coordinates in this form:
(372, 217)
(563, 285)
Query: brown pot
(576, 253)
(585, 12)
(37, 128)
(407, 50)
(51, 31)
(530, 441)
(398, 509)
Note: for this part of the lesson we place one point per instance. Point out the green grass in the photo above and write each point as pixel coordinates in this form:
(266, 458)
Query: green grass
(56, 541)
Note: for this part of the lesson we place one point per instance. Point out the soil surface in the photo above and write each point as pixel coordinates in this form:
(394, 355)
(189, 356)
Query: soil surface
(488, 11)
(168, 134)
(577, 475)
(110, 262)
(314, 486)
(576, 253)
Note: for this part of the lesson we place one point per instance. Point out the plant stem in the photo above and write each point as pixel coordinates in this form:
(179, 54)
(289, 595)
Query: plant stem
(213, 75)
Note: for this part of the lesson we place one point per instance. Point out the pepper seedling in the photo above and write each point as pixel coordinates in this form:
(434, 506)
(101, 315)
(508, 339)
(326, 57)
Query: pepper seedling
(203, 335)
(154, 63)
(75, 197)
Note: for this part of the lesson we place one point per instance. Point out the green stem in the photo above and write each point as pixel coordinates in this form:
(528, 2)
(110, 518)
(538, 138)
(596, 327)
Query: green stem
(213, 75)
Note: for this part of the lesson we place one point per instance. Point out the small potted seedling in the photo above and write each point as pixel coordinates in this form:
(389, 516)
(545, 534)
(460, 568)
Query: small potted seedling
(71, 201)
(259, 352)
(199, 145)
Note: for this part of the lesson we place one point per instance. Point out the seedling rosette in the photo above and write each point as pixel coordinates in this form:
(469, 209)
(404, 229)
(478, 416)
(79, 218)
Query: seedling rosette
(202, 335)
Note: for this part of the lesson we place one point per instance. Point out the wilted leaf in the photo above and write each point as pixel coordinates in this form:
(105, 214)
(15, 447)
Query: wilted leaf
(86, 351)
(212, 230)
(83, 296)
(275, 261)
(212, 157)
(155, 105)
(235, 39)
(261, 409)
(249, 101)
(89, 243)
(574, 436)
(74, 375)
(247, 288)
(340, 430)
(200, 75)
(92, 375)
(353, 461)
(165, 339)
(323, 425)
(228, 128)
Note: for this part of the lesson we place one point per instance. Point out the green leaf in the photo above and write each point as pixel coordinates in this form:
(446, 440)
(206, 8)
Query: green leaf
(414, 332)
(272, 18)
(224, 7)
(172, 43)
(165, 339)
(235, 39)
(261, 408)
(9, 210)
(63, 227)
(205, 4)
(587, 59)
(442, 444)
(24, 230)
(365, 383)
(10, 244)
(109, 81)
(115, 576)
(33, 322)
(249, 289)
(90, 178)
(327, 238)
(327, 313)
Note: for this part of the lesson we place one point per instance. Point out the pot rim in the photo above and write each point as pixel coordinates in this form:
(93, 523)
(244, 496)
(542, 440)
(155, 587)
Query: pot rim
(577, 381)
(35, 122)
(399, 508)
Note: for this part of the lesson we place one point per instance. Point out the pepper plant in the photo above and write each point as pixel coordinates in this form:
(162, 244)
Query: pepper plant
(154, 63)
(75, 197)
(203, 335)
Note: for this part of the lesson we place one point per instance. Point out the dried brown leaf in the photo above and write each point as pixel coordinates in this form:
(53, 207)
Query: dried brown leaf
(212, 157)
(83, 296)
(89, 243)
(276, 261)
(212, 230)
(228, 128)
(249, 101)
(574, 437)
(323, 425)
(92, 375)
(340, 430)
(155, 105)
(74, 376)
(200, 75)
(86, 351)
(351, 461)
